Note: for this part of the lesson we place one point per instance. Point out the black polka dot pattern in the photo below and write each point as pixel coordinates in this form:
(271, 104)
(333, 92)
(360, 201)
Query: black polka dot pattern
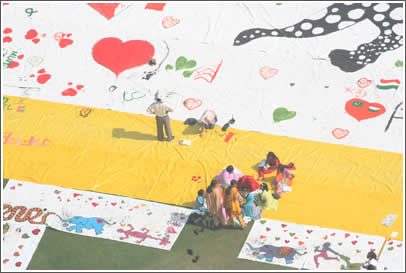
(388, 17)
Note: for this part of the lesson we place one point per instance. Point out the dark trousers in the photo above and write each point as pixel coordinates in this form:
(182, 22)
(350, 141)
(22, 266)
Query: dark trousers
(160, 123)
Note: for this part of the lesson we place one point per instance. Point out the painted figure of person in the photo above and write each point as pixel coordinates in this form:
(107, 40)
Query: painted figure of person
(323, 254)
(160, 109)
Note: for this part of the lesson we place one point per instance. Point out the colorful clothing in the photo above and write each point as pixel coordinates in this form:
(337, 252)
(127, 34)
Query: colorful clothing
(214, 205)
(248, 182)
(232, 205)
(225, 177)
(264, 169)
(251, 208)
(200, 204)
(266, 201)
(283, 181)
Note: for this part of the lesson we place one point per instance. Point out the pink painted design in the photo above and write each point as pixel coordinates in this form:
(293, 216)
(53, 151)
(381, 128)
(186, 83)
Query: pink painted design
(207, 73)
(267, 72)
(339, 133)
(169, 21)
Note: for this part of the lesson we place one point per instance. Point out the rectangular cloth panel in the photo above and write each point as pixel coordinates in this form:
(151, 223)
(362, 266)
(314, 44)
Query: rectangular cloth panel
(20, 240)
(112, 152)
(308, 247)
(117, 153)
(97, 215)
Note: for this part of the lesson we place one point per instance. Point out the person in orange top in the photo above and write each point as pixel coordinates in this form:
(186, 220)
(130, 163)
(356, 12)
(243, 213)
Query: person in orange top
(231, 203)
(214, 203)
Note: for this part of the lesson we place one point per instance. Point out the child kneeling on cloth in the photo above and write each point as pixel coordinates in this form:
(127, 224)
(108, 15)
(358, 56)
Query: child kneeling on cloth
(201, 201)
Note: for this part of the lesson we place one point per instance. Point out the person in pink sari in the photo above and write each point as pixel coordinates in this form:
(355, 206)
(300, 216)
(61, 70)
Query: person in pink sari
(229, 173)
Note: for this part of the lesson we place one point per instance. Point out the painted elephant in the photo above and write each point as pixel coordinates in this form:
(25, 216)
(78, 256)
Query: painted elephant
(271, 252)
(81, 222)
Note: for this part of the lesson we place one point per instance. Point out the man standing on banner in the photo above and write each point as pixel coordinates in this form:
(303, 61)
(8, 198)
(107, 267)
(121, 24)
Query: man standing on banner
(160, 109)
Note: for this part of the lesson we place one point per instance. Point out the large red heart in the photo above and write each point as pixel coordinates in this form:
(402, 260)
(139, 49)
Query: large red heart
(105, 9)
(361, 109)
(117, 56)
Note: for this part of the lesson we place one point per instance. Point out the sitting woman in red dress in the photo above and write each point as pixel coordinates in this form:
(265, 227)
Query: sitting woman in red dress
(268, 165)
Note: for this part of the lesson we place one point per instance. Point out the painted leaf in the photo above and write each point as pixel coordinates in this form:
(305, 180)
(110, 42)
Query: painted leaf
(283, 114)
(187, 73)
(190, 64)
(169, 67)
(180, 63)
(399, 63)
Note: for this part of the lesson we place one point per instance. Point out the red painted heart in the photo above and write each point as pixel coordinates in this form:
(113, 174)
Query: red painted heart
(268, 229)
(36, 231)
(309, 231)
(117, 56)
(364, 82)
(361, 109)
(105, 9)
(169, 21)
(301, 243)
(100, 221)
(192, 103)
(339, 133)
(347, 235)
(262, 237)
(283, 225)
(113, 204)
(266, 72)
(287, 241)
(95, 204)
(354, 242)
(390, 243)
(370, 243)
(76, 194)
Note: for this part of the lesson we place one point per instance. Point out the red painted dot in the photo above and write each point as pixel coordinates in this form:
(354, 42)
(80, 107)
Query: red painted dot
(7, 30)
(69, 83)
(20, 56)
(79, 86)
(35, 41)
(70, 34)
(41, 70)
(32, 76)
(7, 39)
(32, 33)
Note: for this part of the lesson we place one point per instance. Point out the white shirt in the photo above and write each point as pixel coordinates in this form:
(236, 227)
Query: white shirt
(208, 117)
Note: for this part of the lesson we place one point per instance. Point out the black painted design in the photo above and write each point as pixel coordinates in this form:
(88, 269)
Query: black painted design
(387, 17)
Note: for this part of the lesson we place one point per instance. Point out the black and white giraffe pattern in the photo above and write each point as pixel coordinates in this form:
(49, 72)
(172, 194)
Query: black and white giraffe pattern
(388, 17)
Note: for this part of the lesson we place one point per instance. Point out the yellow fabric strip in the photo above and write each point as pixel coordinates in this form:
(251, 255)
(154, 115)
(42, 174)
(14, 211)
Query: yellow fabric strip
(113, 152)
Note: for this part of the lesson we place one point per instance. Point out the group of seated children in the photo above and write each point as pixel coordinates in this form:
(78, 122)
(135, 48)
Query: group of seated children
(234, 195)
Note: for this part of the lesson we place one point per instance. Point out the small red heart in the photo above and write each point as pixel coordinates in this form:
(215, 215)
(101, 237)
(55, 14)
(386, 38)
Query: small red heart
(65, 42)
(339, 133)
(267, 72)
(20, 56)
(19, 184)
(90, 198)
(171, 230)
(268, 229)
(325, 237)
(354, 242)
(309, 231)
(18, 264)
(182, 218)
(76, 194)
(36, 231)
(307, 237)
(79, 86)
(285, 230)
(347, 235)
(283, 225)
(100, 221)
(20, 246)
(301, 243)
(262, 237)
(41, 70)
(390, 243)
(95, 204)
(295, 238)
(373, 249)
(68, 200)
(370, 243)
(16, 254)
(192, 103)
(69, 92)
(35, 41)
(332, 234)
(12, 188)
(399, 245)
(5, 261)
(357, 236)
(169, 21)
(287, 241)
(113, 204)
(364, 82)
